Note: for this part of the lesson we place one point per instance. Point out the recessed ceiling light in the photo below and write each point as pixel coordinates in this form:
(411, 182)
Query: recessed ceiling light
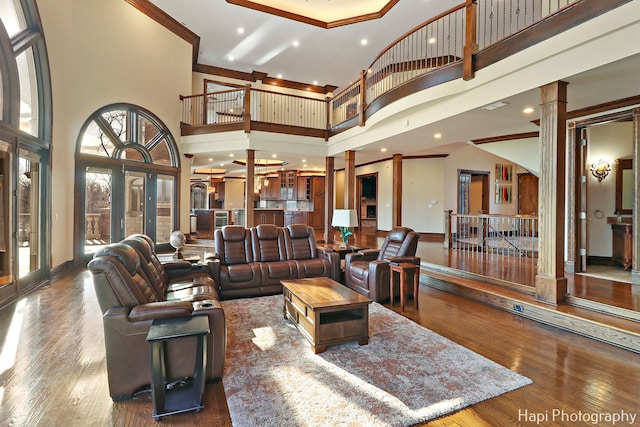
(364, 42)
(304, 161)
(315, 83)
(296, 43)
(221, 164)
(210, 159)
(240, 30)
(384, 150)
(231, 155)
(279, 76)
(230, 58)
(437, 135)
(528, 110)
(274, 155)
(432, 40)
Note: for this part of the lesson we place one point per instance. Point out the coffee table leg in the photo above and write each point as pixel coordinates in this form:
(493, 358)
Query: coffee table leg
(363, 341)
(416, 285)
(318, 348)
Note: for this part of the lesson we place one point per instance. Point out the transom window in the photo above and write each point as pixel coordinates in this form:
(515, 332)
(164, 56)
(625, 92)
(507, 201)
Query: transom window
(130, 133)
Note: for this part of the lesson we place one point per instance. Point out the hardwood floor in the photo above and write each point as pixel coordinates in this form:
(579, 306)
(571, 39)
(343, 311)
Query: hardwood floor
(53, 372)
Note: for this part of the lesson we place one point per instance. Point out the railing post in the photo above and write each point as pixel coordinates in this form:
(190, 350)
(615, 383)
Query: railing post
(447, 229)
(363, 100)
(470, 40)
(327, 112)
(246, 116)
(204, 109)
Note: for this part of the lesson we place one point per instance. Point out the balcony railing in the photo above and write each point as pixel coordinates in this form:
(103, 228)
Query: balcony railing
(512, 235)
(447, 47)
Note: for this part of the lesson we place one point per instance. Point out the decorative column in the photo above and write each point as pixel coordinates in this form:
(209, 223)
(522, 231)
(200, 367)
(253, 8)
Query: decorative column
(635, 269)
(397, 191)
(249, 186)
(329, 180)
(349, 179)
(551, 285)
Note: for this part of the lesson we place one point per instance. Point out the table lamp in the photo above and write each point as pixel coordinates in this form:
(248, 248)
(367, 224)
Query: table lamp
(344, 219)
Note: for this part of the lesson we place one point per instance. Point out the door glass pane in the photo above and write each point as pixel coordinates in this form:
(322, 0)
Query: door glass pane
(134, 202)
(97, 221)
(165, 215)
(28, 92)
(12, 17)
(6, 275)
(29, 184)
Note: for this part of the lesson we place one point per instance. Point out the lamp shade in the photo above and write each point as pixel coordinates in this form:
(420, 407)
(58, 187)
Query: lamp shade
(344, 218)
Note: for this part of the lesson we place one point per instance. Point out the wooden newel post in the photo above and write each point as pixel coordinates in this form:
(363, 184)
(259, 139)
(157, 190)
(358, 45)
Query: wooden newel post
(447, 228)
(470, 41)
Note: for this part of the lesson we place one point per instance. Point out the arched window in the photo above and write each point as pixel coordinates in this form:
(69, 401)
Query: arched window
(25, 183)
(127, 163)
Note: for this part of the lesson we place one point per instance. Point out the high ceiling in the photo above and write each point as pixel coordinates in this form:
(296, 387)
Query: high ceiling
(244, 39)
(295, 50)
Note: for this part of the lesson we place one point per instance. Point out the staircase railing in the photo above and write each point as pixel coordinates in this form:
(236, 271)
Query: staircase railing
(512, 235)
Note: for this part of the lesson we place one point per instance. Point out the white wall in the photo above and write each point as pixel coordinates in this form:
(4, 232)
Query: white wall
(423, 194)
(476, 159)
(233, 193)
(608, 142)
(103, 52)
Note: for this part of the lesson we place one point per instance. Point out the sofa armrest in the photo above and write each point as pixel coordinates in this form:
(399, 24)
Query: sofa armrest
(369, 254)
(214, 270)
(334, 262)
(159, 310)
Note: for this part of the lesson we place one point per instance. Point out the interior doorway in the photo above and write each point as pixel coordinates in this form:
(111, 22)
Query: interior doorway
(473, 192)
(367, 208)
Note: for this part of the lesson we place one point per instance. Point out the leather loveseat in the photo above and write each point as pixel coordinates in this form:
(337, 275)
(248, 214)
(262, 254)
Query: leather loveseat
(252, 262)
(130, 301)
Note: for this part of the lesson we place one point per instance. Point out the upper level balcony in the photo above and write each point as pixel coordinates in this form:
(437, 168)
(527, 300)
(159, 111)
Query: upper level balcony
(452, 46)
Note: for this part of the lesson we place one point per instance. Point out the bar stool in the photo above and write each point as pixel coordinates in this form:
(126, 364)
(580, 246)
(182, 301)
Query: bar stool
(404, 269)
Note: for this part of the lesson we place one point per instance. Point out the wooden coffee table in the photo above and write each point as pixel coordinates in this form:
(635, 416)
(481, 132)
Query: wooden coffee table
(326, 312)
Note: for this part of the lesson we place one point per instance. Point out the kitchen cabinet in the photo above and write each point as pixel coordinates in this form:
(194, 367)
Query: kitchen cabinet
(288, 181)
(304, 188)
(295, 217)
(269, 216)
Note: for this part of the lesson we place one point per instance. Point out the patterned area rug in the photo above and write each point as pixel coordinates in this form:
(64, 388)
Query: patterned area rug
(405, 375)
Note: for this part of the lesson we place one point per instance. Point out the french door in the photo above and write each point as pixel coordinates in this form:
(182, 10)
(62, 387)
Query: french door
(120, 201)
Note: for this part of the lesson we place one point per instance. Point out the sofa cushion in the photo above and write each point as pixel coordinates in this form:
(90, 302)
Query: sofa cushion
(233, 245)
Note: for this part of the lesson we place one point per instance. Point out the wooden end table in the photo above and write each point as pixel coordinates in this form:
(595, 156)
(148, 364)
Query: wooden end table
(185, 398)
(404, 269)
(326, 312)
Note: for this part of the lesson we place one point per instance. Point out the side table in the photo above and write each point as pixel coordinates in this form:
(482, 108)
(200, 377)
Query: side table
(403, 269)
(183, 399)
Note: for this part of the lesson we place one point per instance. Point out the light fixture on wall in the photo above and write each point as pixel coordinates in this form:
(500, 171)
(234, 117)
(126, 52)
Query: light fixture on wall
(601, 169)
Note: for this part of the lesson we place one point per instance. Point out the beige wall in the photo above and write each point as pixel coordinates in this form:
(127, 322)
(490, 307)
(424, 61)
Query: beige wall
(103, 52)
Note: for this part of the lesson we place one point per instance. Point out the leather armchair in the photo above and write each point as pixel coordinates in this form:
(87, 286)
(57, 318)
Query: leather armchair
(129, 304)
(367, 272)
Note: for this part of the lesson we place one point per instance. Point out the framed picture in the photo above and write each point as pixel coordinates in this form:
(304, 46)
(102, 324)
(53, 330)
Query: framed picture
(504, 172)
(504, 193)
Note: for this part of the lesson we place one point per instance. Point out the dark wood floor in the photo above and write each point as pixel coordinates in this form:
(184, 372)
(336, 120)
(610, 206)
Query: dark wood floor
(53, 372)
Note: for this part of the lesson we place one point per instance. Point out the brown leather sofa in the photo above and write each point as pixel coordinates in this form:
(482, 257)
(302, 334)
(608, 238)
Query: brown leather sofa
(252, 262)
(367, 272)
(129, 302)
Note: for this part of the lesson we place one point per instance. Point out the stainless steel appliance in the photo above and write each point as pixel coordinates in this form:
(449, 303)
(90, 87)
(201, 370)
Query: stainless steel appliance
(220, 219)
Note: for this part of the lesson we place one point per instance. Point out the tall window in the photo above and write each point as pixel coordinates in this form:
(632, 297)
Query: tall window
(128, 162)
(25, 183)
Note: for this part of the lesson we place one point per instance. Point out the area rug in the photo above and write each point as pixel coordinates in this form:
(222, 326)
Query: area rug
(406, 374)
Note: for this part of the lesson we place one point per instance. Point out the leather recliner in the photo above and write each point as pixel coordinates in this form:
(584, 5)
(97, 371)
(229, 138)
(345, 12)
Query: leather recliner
(367, 272)
(129, 304)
